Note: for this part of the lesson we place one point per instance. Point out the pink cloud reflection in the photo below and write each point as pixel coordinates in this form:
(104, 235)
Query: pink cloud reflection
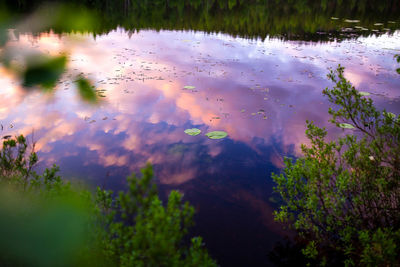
(251, 90)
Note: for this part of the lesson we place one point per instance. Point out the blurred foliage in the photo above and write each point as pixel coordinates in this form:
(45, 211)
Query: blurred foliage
(43, 220)
(43, 71)
(3, 36)
(86, 90)
(342, 196)
(37, 70)
(46, 221)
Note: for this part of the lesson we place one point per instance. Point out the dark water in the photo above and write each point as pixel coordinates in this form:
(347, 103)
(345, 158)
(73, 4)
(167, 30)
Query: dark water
(260, 91)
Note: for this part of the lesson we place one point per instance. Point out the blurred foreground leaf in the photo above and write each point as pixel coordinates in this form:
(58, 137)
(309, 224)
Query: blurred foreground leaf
(37, 230)
(86, 90)
(3, 37)
(44, 71)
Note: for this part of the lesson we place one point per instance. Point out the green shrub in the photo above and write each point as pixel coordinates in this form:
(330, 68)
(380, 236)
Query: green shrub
(46, 221)
(343, 196)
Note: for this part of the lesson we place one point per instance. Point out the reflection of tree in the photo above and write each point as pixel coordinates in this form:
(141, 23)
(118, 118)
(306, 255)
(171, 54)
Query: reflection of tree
(304, 19)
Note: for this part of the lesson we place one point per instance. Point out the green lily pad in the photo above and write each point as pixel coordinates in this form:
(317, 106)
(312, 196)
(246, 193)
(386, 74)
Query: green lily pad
(189, 87)
(361, 93)
(193, 131)
(346, 126)
(216, 135)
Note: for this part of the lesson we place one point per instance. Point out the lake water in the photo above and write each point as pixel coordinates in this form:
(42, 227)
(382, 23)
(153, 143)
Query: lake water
(259, 91)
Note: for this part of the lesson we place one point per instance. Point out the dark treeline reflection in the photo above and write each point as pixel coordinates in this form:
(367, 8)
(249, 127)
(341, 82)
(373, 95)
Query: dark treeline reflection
(317, 20)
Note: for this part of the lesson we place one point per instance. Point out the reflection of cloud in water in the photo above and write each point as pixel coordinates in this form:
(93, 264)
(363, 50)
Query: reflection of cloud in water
(262, 90)
(259, 93)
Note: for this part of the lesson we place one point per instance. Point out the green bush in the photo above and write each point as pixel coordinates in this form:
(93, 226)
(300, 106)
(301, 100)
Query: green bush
(343, 196)
(46, 221)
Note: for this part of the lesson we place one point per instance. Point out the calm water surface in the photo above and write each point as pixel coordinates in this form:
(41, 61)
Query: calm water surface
(259, 92)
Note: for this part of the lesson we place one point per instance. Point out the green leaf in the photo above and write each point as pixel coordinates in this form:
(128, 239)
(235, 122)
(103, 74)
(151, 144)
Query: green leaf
(390, 115)
(86, 90)
(189, 87)
(216, 135)
(193, 131)
(44, 71)
(3, 37)
(346, 126)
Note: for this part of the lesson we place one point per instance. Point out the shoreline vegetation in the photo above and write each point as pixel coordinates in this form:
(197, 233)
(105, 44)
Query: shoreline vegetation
(47, 221)
(342, 196)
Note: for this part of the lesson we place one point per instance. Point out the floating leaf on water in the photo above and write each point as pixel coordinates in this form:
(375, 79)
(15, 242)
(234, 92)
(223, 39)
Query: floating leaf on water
(189, 87)
(351, 20)
(243, 110)
(334, 18)
(216, 135)
(192, 131)
(346, 126)
(361, 93)
(378, 24)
